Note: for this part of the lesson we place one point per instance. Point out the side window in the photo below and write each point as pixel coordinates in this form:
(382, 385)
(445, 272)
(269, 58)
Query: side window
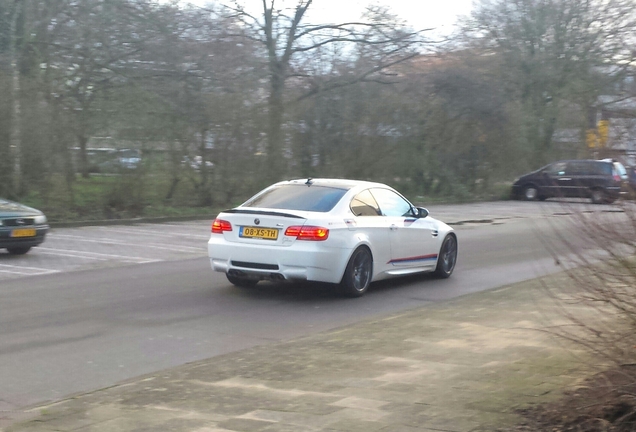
(392, 204)
(555, 169)
(578, 168)
(601, 168)
(364, 204)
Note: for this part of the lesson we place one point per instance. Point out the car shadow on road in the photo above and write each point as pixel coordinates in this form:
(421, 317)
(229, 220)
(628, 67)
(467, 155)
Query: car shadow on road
(315, 291)
(290, 291)
(4, 255)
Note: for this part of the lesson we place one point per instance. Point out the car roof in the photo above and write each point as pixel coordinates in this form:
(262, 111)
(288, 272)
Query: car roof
(606, 160)
(582, 160)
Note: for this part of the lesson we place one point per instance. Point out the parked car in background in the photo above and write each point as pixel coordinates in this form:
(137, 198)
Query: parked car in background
(602, 181)
(344, 232)
(112, 161)
(21, 227)
(129, 158)
(196, 162)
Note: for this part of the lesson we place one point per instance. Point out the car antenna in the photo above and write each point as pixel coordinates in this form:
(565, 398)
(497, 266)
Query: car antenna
(309, 181)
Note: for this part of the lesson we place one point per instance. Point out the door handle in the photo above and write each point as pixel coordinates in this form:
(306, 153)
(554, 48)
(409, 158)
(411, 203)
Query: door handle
(434, 233)
(393, 227)
(564, 178)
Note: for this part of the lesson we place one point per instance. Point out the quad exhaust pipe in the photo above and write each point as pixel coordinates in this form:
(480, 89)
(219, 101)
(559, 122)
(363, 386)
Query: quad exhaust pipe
(271, 276)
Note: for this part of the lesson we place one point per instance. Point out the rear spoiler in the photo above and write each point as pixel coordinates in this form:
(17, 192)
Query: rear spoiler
(261, 212)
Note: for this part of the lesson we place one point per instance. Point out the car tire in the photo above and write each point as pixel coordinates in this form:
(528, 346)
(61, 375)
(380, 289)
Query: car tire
(357, 276)
(598, 196)
(241, 282)
(447, 257)
(18, 250)
(530, 193)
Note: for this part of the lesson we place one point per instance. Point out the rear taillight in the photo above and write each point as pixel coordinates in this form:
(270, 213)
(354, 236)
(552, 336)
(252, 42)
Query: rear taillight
(220, 225)
(617, 178)
(311, 233)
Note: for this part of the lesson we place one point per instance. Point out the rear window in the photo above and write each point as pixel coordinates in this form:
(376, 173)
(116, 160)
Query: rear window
(620, 169)
(298, 197)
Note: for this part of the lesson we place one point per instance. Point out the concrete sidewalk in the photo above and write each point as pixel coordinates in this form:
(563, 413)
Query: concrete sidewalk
(460, 365)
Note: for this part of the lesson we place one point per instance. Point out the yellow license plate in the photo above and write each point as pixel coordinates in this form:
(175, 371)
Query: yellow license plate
(261, 233)
(30, 232)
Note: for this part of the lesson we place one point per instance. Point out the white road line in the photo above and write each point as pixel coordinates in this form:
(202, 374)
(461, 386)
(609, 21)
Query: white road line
(73, 256)
(208, 224)
(87, 254)
(154, 233)
(36, 269)
(114, 242)
(203, 249)
(29, 274)
(17, 273)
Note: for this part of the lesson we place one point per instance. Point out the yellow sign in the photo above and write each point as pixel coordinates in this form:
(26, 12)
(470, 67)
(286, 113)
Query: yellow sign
(597, 138)
(591, 138)
(603, 132)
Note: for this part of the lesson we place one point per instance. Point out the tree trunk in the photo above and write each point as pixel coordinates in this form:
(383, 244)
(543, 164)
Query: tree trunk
(83, 160)
(275, 169)
(15, 99)
(205, 189)
(173, 187)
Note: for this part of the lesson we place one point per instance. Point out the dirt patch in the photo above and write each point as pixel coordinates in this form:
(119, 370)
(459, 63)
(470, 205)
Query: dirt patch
(604, 403)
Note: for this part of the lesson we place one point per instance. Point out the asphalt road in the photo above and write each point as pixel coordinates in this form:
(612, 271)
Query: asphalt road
(97, 305)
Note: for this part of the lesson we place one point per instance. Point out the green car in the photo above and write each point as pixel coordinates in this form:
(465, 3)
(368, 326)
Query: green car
(21, 227)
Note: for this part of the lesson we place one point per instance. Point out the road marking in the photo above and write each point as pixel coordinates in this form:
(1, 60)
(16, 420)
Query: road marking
(190, 224)
(38, 270)
(120, 243)
(87, 255)
(153, 232)
(73, 256)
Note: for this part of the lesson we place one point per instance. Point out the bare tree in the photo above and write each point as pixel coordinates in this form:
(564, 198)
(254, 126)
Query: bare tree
(596, 300)
(15, 92)
(211, 87)
(552, 51)
(288, 41)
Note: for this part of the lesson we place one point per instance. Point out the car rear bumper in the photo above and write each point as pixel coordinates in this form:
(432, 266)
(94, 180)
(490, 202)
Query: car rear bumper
(304, 260)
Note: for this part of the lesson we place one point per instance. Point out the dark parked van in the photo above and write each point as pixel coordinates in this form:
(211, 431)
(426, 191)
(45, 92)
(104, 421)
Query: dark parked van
(603, 181)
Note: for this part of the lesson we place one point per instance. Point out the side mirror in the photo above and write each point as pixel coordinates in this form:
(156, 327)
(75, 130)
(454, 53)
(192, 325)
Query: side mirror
(422, 212)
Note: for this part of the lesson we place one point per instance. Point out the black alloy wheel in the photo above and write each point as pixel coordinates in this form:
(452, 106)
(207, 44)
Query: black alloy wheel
(447, 257)
(357, 276)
